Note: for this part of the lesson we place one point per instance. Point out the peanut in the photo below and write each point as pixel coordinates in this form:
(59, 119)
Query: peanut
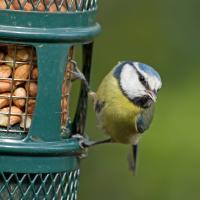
(10, 61)
(53, 8)
(23, 55)
(31, 89)
(64, 120)
(41, 7)
(10, 116)
(34, 73)
(1, 56)
(5, 86)
(25, 122)
(3, 5)
(65, 88)
(16, 5)
(63, 9)
(22, 72)
(27, 6)
(20, 54)
(4, 99)
(19, 92)
(64, 106)
(31, 106)
(5, 71)
(12, 7)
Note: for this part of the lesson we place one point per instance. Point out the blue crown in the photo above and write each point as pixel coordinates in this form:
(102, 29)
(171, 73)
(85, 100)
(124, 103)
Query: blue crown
(144, 67)
(149, 70)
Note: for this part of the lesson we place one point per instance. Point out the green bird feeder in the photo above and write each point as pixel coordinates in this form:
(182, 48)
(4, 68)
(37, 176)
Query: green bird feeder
(39, 158)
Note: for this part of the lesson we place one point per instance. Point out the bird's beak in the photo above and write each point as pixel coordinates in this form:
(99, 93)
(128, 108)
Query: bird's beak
(153, 95)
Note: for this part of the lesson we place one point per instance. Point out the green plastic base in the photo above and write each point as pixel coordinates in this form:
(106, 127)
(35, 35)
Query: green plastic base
(38, 157)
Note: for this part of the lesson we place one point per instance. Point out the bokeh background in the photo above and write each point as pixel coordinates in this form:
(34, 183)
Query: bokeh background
(166, 35)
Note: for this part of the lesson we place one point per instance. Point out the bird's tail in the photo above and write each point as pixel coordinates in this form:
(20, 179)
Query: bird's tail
(132, 158)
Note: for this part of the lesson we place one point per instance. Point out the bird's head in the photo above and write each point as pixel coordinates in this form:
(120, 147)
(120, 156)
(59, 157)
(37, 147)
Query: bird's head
(138, 81)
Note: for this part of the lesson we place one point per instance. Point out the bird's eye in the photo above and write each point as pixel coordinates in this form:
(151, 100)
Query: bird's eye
(142, 79)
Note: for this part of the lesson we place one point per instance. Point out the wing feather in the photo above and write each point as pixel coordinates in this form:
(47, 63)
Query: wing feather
(143, 120)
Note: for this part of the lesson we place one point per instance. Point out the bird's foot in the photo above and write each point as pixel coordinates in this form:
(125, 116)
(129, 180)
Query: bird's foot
(84, 142)
(77, 74)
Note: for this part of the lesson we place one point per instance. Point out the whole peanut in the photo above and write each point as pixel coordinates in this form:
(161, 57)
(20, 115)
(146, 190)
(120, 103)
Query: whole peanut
(4, 99)
(31, 89)
(22, 72)
(10, 116)
(34, 73)
(25, 122)
(19, 92)
(5, 71)
(5, 86)
(31, 106)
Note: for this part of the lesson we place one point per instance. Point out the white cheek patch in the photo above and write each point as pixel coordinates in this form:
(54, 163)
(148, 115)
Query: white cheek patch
(130, 83)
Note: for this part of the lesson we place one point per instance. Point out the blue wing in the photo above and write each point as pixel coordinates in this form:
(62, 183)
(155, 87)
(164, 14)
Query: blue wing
(144, 119)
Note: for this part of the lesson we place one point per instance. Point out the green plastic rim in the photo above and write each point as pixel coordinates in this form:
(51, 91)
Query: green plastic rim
(53, 27)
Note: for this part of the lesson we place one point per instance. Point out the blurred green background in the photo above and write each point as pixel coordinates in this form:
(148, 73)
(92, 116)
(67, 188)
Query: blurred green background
(164, 34)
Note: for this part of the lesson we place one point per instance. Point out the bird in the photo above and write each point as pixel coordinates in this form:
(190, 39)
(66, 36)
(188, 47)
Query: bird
(124, 104)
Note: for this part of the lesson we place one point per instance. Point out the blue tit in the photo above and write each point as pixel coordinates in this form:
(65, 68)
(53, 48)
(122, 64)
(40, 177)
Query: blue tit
(124, 103)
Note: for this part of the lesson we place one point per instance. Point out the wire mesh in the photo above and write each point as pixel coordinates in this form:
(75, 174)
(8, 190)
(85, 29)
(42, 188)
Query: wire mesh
(66, 88)
(44, 186)
(18, 87)
(49, 5)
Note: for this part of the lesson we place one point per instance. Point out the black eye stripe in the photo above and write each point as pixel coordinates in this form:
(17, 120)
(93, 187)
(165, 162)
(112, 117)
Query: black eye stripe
(142, 80)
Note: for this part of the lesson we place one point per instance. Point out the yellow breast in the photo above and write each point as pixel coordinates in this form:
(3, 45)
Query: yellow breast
(117, 117)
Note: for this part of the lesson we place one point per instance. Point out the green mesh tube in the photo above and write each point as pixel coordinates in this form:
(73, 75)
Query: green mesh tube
(61, 185)
(40, 159)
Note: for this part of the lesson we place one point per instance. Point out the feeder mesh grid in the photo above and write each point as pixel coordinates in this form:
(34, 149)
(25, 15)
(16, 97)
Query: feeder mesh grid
(44, 186)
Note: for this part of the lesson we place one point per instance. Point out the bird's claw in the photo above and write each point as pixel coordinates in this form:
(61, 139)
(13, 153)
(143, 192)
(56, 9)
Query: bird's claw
(82, 140)
(77, 74)
(82, 143)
